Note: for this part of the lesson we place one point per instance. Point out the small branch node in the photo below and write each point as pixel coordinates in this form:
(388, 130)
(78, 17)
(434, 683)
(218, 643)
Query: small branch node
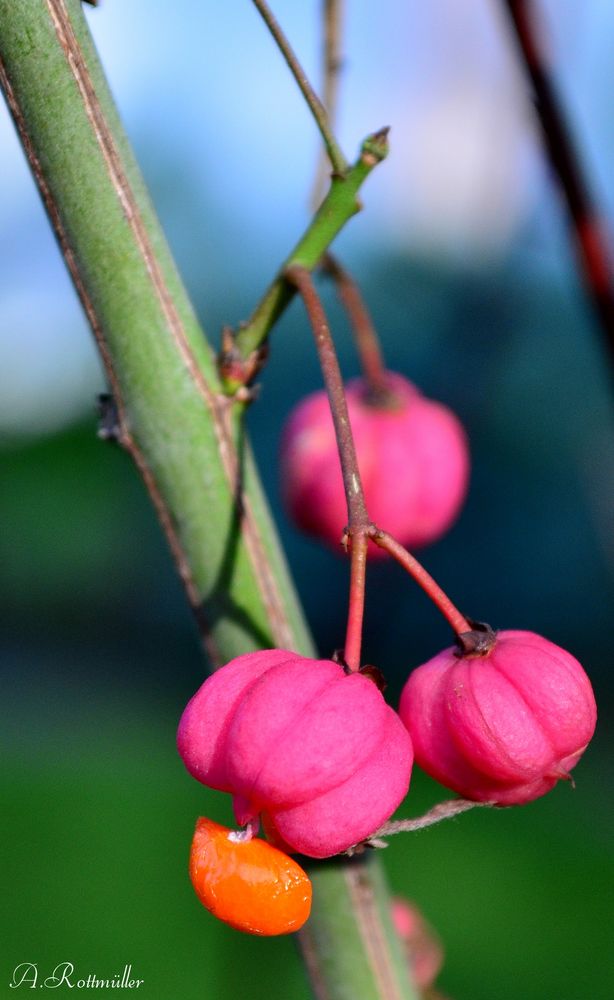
(375, 147)
(109, 422)
(236, 371)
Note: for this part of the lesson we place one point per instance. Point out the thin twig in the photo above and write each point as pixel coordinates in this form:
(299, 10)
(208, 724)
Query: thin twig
(340, 204)
(302, 280)
(593, 252)
(443, 810)
(332, 61)
(360, 527)
(358, 543)
(337, 159)
(455, 619)
(363, 330)
(359, 524)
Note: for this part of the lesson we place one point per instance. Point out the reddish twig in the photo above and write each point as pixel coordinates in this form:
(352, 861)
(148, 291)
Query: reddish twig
(473, 639)
(593, 251)
(365, 336)
(332, 35)
(455, 619)
(359, 525)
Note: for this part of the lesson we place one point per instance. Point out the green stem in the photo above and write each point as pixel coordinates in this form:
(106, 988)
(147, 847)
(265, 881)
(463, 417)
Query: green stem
(365, 897)
(184, 435)
(340, 204)
(319, 112)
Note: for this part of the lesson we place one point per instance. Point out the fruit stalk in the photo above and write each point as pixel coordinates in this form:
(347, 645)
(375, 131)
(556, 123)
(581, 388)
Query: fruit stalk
(431, 588)
(360, 528)
(365, 337)
(359, 524)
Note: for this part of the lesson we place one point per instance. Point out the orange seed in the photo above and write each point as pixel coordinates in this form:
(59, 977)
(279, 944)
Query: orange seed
(248, 884)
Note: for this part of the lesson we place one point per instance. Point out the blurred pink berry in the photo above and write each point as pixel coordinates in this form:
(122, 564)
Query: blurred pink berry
(503, 728)
(316, 750)
(422, 946)
(412, 455)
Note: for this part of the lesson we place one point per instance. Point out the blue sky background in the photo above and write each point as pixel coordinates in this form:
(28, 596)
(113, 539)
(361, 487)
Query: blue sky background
(228, 149)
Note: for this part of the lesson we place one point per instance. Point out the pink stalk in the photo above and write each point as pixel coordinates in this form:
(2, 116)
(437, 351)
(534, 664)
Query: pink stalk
(458, 622)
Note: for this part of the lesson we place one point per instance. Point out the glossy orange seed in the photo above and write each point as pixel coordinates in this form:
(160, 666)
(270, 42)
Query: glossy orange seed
(250, 884)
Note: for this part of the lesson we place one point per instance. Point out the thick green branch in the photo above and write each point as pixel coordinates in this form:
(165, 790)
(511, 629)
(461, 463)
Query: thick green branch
(340, 204)
(353, 893)
(173, 419)
(184, 435)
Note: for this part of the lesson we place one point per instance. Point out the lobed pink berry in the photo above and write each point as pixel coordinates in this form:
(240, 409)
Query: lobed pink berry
(412, 455)
(316, 750)
(503, 728)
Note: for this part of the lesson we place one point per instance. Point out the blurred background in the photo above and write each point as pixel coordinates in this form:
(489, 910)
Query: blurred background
(464, 256)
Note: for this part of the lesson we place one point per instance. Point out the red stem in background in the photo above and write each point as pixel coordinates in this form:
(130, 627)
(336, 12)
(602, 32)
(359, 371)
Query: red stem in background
(332, 16)
(593, 251)
(332, 61)
(365, 337)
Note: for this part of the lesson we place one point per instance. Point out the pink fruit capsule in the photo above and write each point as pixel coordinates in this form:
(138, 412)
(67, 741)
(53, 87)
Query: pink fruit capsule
(412, 455)
(503, 728)
(314, 748)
